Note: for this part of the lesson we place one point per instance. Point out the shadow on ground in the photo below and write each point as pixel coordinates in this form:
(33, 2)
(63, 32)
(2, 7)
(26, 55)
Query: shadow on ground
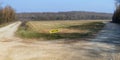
(110, 34)
(106, 45)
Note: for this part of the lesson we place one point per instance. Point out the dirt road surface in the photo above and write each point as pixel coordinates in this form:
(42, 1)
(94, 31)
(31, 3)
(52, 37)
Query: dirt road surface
(13, 48)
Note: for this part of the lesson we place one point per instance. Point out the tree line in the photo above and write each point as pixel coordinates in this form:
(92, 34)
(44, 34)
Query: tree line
(7, 14)
(116, 15)
(73, 15)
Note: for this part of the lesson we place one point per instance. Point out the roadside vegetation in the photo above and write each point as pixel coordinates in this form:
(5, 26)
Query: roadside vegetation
(7, 14)
(65, 29)
(116, 15)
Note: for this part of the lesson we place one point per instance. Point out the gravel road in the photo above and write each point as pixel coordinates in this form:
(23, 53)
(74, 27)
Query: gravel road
(13, 48)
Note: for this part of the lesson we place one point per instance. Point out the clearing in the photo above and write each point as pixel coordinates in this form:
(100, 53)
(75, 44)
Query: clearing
(12, 48)
(69, 29)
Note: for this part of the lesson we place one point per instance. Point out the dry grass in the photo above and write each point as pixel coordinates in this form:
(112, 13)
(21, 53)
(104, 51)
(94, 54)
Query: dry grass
(46, 26)
(67, 29)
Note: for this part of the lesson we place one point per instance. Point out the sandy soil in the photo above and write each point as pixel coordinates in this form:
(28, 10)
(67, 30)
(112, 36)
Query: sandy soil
(13, 48)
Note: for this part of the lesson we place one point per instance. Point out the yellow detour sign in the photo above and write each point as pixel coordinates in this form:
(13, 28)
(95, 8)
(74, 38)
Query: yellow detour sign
(53, 31)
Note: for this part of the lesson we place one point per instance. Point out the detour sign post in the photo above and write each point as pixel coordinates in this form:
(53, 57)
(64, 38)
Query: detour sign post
(53, 31)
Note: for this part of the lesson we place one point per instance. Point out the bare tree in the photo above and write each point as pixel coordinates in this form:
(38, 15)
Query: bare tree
(8, 14)
(0, 14)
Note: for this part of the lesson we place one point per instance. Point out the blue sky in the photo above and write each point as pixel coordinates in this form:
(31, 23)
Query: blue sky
(61, 5)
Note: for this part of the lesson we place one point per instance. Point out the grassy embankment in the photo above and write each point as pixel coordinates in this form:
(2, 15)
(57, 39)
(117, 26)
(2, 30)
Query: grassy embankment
(66, 29)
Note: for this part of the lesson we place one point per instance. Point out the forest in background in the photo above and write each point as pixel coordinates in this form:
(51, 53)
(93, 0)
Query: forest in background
(71, 15)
